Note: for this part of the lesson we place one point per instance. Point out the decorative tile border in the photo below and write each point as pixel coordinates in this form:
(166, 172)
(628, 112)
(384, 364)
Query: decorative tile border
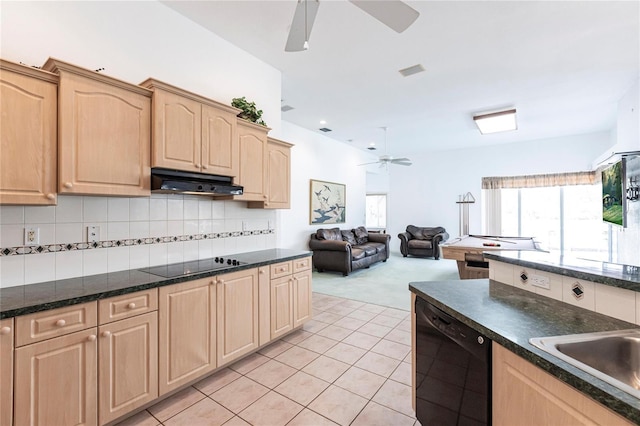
(52, 248)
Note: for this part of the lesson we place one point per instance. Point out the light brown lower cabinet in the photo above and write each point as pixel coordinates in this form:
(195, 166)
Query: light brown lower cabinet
(56, 381)
(281, 306)
(187, 332)
(524, 394)
(128, 365)
(6, 371)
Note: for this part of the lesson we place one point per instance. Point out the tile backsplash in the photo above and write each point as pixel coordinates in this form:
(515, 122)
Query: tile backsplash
(133, 233)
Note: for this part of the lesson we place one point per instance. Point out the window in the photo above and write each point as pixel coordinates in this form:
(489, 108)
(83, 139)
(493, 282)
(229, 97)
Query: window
(376, 215)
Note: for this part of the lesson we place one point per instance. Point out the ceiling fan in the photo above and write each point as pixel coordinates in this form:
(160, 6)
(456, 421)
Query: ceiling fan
(385, 160)
(395, 14)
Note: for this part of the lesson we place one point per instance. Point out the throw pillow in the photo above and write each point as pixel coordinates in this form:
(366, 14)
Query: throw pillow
(362, 235)
(349, 237)
(329, 234)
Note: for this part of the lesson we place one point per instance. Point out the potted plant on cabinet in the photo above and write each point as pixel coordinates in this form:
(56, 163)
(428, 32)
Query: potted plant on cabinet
(249, 110)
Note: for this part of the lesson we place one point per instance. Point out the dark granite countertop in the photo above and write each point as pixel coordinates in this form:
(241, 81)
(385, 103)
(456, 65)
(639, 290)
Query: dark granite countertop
(25, 299)
(511, 316)
(613, 274)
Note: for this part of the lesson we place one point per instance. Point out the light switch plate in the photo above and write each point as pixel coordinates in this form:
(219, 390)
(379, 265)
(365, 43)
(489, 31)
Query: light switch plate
(93, 234)
(540, 281)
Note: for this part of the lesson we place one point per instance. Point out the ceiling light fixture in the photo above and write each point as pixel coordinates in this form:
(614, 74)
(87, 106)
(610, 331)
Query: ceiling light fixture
(501, 121)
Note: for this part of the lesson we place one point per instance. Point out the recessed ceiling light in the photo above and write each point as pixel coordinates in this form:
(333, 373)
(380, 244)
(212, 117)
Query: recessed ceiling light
(501, 121)
(323, 121)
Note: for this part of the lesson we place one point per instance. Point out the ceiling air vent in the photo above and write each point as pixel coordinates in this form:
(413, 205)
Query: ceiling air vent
(371, 148)
(324, 129)
(411, 70)
(285, 108)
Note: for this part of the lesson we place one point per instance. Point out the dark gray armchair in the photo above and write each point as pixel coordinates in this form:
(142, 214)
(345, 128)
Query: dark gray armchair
(422, 241)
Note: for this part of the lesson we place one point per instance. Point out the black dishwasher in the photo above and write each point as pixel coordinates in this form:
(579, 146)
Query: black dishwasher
(453, 370)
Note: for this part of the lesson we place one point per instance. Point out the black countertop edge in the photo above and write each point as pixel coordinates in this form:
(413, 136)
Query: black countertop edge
(30, 298)
(610, 396)
(582, 269)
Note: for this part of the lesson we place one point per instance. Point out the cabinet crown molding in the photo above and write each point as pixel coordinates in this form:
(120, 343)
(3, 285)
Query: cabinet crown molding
(152, 84)
(28, 71)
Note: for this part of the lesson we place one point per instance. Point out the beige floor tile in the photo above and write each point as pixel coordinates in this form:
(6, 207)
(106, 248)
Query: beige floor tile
(239, 394)
(350, 323)
(310, 418)
(335, 332)
(325, 368)
(297, 357)
(360, 382)
(362, 315)
(175, 403)
(249, 363)
(391, 349)
(339, 405)
(352, 303)
(271, 374)
(396, 396)
(302, 387)
(204, 412)
(375, 329)
(143, 418)
(297, 336)
(399, 336)
(407, 358)
(369, 307)
(396, 313)
(378, 415)
(340, 309)
(216, 381)
(345, 353)
(361, 340)
(319, 344)
(313, 326)
(327, 317)
(276, 348)
(386, 321)
(405, 325)
(378, 364)
(272, 409)
(236, 421)
(402, 374)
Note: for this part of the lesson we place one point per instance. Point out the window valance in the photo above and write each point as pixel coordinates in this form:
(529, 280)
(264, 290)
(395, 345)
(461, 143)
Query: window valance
(537, 181)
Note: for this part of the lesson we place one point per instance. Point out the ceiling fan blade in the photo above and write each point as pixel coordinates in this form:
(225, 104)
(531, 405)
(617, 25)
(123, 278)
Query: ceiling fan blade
(366, 164)
(395, 14)
(305, 9)
(400, 160)
(402, 163)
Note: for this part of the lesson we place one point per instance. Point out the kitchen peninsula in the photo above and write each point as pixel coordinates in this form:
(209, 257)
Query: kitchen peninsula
(533, 295)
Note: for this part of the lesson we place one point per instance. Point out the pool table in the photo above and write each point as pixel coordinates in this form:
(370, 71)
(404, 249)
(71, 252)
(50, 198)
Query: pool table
(467, 251)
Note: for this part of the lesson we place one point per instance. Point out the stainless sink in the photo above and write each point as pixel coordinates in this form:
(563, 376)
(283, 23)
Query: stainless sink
(612, 356)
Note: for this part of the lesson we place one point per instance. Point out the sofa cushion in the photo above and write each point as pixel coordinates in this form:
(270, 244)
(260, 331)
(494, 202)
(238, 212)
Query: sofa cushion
(424, 233)
(357, 254)
(329, 234)
(420, 244)
(348, 237)
(380, 247)
(368, 248)
(362, 235)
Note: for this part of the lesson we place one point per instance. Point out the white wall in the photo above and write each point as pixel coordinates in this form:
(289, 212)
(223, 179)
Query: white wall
(425, 193)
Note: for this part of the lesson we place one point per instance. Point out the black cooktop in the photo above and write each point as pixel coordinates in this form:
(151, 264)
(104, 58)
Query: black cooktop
(193, 267)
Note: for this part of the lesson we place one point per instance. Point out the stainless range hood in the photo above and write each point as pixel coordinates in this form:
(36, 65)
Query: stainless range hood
(178, 181)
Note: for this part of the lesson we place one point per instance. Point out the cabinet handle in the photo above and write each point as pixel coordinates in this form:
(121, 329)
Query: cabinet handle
(131, 305)
(51, 196)
(5, 330)
(106, 333)
(61, 323)
(265, 196)
(68, 185)
(91, 338)
(261, 271)
(204, 166)
(197, 166)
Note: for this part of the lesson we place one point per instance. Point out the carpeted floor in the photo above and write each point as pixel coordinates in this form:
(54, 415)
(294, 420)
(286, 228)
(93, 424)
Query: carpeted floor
(385, 283)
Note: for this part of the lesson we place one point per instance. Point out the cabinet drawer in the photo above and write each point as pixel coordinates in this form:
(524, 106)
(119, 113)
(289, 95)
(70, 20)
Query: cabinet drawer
(128, 305)
(301, 264)
(56, 322)
(281, 269)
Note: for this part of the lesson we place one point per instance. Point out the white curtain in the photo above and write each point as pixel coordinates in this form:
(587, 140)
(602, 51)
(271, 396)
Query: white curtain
(492, 211)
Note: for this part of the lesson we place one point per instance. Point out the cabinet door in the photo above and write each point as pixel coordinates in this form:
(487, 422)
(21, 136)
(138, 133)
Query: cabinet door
(127, 365)
(6, 371)
(281, 306)
(252, 142)
(237, 314)
(176, 132)
(105, 138)
(187, 332)
(28, 133)
(264, 305)
(220, 152)
(279, 180)
(302, 310)
(55, 381)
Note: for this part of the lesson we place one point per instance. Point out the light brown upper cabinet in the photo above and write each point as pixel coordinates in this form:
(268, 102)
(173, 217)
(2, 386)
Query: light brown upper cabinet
(278, 187)
(28, 127)
(104, 133)
(252, 139)
(192, 133)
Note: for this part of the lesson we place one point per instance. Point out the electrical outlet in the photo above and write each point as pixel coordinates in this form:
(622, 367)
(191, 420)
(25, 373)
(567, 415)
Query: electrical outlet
(540, 281)
(93, 234)
(31, 236)
(245, 226)
(269, 224)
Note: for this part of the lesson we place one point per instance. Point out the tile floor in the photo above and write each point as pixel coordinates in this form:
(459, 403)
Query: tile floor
(349, 365)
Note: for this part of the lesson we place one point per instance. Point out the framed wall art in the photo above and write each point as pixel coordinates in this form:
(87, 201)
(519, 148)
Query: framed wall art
(327, 202)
